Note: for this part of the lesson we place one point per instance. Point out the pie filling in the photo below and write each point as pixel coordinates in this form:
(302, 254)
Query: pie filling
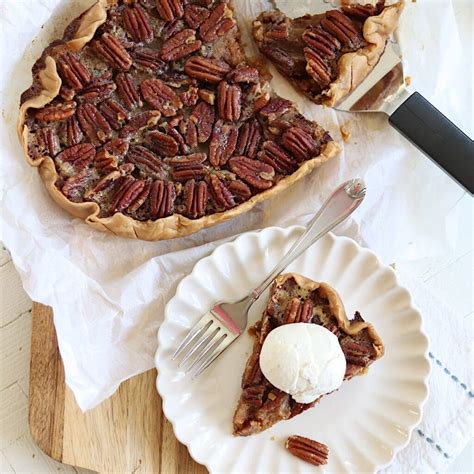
(161, 113)
(295, 299)
(307, 49)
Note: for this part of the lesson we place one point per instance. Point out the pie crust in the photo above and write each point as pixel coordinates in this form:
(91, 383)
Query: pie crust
(46, 87)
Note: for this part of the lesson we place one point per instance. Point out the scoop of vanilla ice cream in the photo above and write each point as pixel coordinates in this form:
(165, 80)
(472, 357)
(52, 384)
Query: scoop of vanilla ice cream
(304, 360)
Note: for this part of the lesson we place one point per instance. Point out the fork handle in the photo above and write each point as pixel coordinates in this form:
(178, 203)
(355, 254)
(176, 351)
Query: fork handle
(340, 205)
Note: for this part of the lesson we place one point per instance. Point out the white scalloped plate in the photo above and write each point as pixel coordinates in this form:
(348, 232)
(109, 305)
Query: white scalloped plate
(364, 424)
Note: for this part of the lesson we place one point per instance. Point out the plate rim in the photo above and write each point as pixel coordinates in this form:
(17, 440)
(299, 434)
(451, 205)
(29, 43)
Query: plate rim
(290, 229)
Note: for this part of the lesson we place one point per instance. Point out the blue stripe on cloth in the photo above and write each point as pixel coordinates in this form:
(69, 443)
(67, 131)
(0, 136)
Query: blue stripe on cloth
(453, 377)
(435, 445)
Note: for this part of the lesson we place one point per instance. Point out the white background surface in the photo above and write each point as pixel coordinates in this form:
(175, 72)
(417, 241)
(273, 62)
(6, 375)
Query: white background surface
(450, 276)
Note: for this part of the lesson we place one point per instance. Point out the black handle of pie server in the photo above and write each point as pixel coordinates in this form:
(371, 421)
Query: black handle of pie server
(430, 131)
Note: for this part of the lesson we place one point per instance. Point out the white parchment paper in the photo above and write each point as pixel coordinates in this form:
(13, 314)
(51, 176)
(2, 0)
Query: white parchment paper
(109, 293)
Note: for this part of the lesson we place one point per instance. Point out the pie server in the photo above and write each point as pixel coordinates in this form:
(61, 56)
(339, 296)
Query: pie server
(383, 90)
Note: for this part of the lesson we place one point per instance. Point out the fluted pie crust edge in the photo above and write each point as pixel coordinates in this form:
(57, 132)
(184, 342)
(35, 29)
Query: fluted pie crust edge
(48, 83)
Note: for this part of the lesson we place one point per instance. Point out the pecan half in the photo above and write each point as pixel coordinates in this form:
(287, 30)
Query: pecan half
(229, 98)
(161, 198)
(93, 123)
(206, 69)
(72, 71)
(161, 97)
(48, 141)
(355, 353)
(321, 41)
(257, 174)
(170, 10)
(291, 66)
(195, 198)
(80, 155)
(196, 172)
(219, 22)
(253, 396)
(140, 199)
(137, 24)
(143, 157)
(244, 74)
(275, 156)
(112, 50)
(308, 450)
(239, 190)
(298, 312)
(144, 120)
(203, 116)
(221, 194)
(56, 112)
(278, 32)
(115, 113)
(250, 135)
(195, 15)
(163, 144)
(71, 132)
(317, 68)
(342, 28)
(180, 45)
(300, 143)
(127, 191)
(128, 90)
(223, 143)
(148, 60)
(276, 107)
(97, 91)
(188, 167)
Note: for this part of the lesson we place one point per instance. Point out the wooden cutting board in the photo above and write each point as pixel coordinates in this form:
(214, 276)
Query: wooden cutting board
(127, 433)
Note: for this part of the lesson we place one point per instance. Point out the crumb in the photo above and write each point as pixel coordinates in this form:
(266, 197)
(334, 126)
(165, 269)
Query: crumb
(407, 80)
(345, 131)
(272, 438)
(393, 265)
(413, 1)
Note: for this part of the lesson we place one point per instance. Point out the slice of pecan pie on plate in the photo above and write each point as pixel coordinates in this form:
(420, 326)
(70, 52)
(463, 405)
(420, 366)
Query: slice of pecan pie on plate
(326, 56)
(147, 120)
(295, 299)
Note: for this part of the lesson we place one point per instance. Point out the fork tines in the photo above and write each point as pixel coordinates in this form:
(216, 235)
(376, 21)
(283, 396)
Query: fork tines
(203, 344)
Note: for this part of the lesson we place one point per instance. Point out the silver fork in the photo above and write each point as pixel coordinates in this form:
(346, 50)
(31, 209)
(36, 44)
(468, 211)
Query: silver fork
(225, 322)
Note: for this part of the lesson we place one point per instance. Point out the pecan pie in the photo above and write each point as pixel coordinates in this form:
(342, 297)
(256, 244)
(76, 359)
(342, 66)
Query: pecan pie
(147, 120)
(327, 56)
(296, 299)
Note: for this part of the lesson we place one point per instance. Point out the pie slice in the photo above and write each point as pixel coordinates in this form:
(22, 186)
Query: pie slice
(261, 405)
(327, 56)
(148, 121)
